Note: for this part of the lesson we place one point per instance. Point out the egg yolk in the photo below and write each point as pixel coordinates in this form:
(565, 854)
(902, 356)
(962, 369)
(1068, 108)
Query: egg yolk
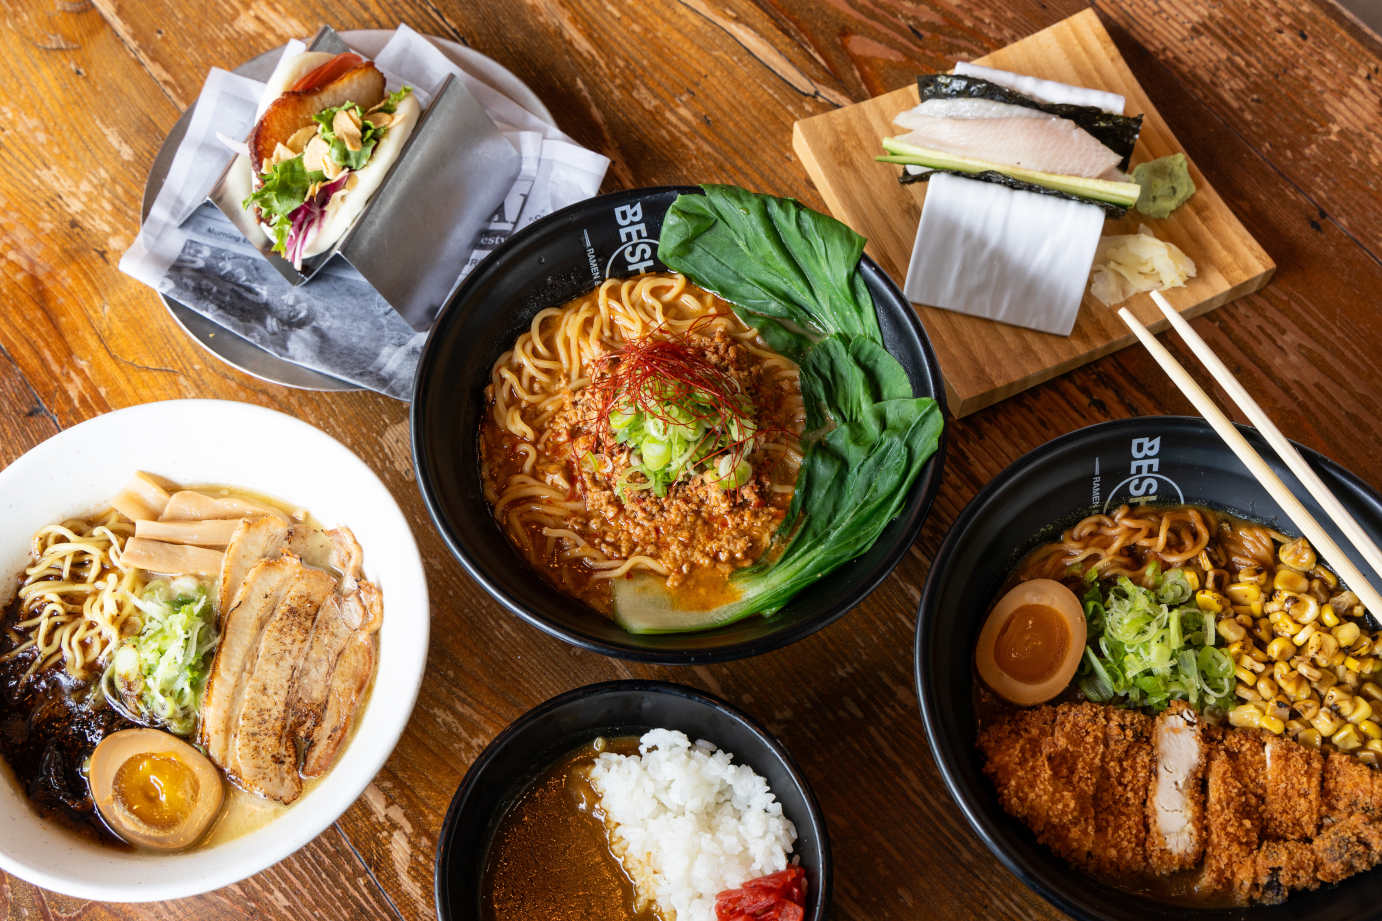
(157, 789)
(1031, 645)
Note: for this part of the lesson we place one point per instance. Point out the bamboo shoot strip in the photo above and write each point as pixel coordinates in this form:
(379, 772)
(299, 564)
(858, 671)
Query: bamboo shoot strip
(1294, 509)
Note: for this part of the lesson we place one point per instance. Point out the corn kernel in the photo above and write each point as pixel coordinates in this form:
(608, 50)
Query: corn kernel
(1281, 649)
(1253, 573)
(1248, 693)
(1309, 737)
(1373, 745)
(1352, 664)
(1335, 695)
(1326, 723)
(1346, 634)
(1362, 710)
(1244, 593)
(1347, 739)
(1266, 686)
(1192, 578)
(1290, 580)
(1297, 554)
(1245, 716)
(1366, 756)
(1272, 725)
(1325, 575)
(1370, 728)
(1308, 708)
(1232, 631)
(1209, 601)
(1301, 638)
(1303, 609)
(1328, 617)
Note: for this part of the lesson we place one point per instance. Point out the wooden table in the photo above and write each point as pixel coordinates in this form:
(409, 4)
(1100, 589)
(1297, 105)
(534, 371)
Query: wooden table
(1279, 102)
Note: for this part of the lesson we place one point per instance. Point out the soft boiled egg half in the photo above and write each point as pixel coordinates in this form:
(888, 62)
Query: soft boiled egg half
(1032, 642)
(153, 789)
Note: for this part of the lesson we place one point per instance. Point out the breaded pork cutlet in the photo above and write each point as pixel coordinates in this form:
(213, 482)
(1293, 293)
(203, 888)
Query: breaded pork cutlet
(1291, 793)
(1252, 815)
(1233, 815)
(1120, 797)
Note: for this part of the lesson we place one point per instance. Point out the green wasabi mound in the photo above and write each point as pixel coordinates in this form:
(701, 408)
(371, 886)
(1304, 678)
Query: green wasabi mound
(1166, 185)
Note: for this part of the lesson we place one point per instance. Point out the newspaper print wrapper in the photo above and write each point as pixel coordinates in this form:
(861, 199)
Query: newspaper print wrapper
(336, 324)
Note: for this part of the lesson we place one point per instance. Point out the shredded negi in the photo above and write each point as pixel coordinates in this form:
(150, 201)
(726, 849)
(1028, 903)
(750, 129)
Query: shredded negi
(1150, 646)
(677, 412)
(158, 675)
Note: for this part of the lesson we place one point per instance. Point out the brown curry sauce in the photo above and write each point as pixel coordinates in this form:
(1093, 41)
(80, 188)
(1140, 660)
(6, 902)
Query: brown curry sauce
(549, 859)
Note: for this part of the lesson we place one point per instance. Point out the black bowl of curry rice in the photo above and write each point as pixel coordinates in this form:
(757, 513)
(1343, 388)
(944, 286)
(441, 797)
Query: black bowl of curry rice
(554, 262)
(502, 812)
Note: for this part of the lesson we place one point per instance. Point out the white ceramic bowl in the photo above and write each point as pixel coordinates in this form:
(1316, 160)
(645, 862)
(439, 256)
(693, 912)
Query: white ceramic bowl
(211, 441)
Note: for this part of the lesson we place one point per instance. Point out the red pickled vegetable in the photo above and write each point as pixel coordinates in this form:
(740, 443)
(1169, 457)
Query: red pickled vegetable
(778, 896)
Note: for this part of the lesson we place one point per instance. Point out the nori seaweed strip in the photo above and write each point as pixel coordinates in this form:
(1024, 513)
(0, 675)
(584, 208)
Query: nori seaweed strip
(994, 176)
(1116, 132)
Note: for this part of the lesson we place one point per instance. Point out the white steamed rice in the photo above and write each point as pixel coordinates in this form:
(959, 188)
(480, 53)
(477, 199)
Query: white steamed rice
(687, 823)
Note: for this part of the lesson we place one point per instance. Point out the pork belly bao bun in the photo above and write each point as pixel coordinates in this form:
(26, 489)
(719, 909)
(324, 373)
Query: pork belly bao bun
(686, 448)
(178, 668)
(1188, 704)
(327, 134)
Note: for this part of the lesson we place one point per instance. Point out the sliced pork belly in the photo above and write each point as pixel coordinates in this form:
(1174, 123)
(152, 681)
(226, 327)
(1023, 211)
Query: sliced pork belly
(242, 623)
(1013, 135)
(1294, 776)
(1175, 808)
(349, 680)
(264, 754)
(1120, 799)
(254, 540)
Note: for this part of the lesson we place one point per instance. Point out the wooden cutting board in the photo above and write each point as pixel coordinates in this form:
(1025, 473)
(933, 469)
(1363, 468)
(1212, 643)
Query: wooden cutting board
(984, 361)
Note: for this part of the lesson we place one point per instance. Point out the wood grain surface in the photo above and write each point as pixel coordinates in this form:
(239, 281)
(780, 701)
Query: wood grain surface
(837, 150)
(1277, 102)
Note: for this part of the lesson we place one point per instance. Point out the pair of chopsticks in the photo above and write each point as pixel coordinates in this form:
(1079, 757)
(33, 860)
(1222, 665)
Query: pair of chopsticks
(1324, 545)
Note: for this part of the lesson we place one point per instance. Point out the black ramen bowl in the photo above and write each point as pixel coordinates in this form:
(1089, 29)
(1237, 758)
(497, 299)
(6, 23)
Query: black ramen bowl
(560, 257)
(1162, 459)
(536, 740)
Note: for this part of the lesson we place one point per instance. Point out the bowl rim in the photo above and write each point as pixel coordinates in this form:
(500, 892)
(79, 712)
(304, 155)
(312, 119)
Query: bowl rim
(927, 603)
(926, 486)
(460, 800)
(292, 836)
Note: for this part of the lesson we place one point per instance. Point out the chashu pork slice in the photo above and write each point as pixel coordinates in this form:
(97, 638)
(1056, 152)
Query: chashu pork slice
(1175, 807)
(335, 675)
(254, 540)
(263, 757)
(242, 623)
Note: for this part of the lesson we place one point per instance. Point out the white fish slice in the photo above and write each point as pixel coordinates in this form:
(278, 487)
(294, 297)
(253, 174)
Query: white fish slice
(1046, 143)
(966, 108)
(1045, 90)
(1013, 256)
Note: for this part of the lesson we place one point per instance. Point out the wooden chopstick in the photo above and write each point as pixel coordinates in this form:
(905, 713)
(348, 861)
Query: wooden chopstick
(1324, 544)
(1279, 442)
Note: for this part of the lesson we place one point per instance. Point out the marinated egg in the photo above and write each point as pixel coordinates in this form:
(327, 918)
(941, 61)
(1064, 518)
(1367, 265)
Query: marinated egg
(153, 789)
(1032, 642)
